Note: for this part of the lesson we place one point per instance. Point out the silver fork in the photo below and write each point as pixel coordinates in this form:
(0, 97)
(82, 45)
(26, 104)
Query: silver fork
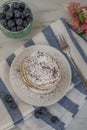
(66, 49)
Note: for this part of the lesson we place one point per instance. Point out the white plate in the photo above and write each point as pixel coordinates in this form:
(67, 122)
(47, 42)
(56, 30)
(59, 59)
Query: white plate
(25, 93)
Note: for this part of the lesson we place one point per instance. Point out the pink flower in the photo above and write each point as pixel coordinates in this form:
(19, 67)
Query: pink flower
(84, 27)
(83, 7)
(79, 16)
(72, 6)
(75, 24)
(75, 16)
(86, 21)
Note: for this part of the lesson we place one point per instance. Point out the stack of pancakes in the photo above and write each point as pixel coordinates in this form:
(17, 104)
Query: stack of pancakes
(40, 72)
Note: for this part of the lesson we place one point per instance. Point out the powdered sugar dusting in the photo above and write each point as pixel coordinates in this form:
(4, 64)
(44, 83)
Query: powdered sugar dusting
(41, 68)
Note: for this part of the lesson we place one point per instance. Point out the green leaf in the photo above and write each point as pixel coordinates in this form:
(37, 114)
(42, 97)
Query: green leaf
(81, 17)
(81, 33)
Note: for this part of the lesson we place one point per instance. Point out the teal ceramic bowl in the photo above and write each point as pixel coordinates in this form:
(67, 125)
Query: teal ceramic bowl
(17, 34)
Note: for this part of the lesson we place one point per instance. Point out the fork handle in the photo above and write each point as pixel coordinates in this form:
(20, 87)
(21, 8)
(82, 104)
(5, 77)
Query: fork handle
(84, 81)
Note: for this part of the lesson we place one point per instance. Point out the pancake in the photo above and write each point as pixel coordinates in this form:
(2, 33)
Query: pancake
(40, 71)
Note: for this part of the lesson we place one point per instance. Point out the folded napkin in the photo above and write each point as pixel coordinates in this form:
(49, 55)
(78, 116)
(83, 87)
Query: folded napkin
(11, 113)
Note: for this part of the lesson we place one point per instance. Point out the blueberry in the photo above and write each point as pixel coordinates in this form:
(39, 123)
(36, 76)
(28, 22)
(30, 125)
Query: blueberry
(17, 13)
(13, 105)
(6, 7)
(3, 22)
(21, 6)
(20, 28)
(8, 98)
(15, 5)
(54, 119)
(2, 15)
(11, 23)
(14, 29)
(43, 110)
(26, 12)
(22, 16)
(29, 19)
(25, 23)
(37, 114)
(9, 14)
(19, 21)
(8, 28)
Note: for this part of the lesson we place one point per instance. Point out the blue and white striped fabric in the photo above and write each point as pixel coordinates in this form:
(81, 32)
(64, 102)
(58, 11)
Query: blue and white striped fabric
(16, 111)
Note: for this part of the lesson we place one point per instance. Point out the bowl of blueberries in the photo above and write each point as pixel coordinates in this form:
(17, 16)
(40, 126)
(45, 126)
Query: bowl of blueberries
(15, 19)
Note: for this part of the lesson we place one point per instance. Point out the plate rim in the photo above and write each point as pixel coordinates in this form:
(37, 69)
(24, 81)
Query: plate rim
(56, 51)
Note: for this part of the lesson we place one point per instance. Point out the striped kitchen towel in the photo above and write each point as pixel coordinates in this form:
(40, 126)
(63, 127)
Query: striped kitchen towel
(13, 110)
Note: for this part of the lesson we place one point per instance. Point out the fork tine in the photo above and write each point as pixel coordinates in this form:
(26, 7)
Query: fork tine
(63, 42)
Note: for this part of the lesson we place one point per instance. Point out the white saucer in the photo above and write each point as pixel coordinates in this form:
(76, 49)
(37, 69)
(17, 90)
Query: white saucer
(25, 93)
